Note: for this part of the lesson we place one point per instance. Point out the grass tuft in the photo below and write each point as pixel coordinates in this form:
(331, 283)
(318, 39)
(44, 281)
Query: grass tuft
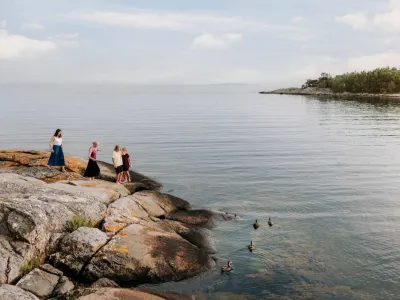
(35, 262)
(77, 222)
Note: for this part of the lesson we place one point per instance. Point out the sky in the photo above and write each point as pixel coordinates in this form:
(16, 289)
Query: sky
(270, 42)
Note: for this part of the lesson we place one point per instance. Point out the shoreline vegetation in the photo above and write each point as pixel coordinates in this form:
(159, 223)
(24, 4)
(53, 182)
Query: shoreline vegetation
(381, 82)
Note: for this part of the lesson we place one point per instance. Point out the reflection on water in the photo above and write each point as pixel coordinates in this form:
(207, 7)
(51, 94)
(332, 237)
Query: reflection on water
(325, 170)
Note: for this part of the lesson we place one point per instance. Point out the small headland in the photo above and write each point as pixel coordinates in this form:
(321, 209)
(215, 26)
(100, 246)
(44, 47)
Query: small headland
(65, 237)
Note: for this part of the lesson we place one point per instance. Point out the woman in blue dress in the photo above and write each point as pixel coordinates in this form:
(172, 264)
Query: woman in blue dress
(56, 148)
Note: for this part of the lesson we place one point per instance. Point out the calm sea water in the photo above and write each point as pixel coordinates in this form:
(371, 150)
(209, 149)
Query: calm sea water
(326, 171)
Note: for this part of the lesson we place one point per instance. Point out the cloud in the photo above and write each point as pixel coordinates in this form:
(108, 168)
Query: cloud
(211, 41)
(66, 39)
(356, 21)
(297, 19)
(32, 26)
(147, 19)
(387, 21)
(337, 66)
(14, 46)
(369, 62)
(3, 24)
(68, 36)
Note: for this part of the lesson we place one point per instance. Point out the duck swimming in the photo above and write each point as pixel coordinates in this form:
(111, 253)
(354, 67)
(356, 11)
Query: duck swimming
(251, 246)
(270, 222)
(256, 225)
(227, 268)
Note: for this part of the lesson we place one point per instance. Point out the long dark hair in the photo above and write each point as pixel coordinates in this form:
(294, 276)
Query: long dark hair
(57, 132)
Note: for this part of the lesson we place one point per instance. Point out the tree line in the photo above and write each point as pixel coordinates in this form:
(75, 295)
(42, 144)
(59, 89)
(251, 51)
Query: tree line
(378, 81)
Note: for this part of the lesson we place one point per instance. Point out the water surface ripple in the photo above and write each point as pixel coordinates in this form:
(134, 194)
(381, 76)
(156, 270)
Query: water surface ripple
(326, 171)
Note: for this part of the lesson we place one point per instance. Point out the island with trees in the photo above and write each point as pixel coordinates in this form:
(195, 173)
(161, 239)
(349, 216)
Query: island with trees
(379, 82)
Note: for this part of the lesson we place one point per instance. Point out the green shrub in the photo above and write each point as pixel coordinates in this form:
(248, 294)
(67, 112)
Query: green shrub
(378, 81)
(77, 222)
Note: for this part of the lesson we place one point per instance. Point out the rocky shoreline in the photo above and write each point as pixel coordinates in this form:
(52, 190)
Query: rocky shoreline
(64, 237)
(310, 91)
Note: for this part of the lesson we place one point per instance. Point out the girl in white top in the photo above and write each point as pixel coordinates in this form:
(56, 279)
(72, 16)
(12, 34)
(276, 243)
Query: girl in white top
(57, 152)
(118, 164)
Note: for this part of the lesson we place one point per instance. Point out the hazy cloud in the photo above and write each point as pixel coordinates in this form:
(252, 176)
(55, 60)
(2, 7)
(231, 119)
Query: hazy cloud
(297, 19)
(147, 19)
(32, 26)
(356, 21)
(215, 42)
(14, 46)
(368, 62)
(387, 21)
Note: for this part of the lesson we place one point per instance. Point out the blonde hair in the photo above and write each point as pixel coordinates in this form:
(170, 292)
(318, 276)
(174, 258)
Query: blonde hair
(124, 149)
(117, 147)
(95, 143)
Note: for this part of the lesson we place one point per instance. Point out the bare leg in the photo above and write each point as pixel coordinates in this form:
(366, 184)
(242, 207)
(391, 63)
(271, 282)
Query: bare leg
(124, 176)
(63, 169)
(129, 176)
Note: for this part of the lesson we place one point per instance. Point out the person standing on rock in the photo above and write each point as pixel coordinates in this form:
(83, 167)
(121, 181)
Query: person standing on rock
(92, 169)
(57, 154)
(118, 163)
(126, 159)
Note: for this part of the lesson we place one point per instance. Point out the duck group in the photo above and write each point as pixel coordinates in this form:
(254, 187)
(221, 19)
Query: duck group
(251, 247)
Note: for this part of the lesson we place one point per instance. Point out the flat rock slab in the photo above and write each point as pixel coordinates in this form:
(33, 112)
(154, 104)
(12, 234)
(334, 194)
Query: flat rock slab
(159, 204)
(107, 172)
(200, 237)
(120, 294)
(148, 252)
(39, 283)
(11, 260)
(201, 217)
(113, 187)
(168, 294)
(103, 283)
(12, 292)
(122, 212)
(63, 287)
(31, 213)
(33, 163)
(103, 194)
(78, 247)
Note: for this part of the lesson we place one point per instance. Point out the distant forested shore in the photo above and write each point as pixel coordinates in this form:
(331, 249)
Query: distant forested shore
(378, 82)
